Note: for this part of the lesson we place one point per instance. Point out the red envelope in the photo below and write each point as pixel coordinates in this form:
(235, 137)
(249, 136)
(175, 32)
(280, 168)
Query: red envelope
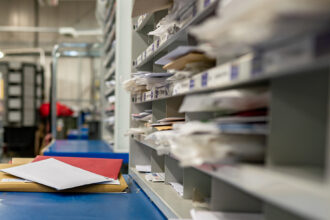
(105, 167)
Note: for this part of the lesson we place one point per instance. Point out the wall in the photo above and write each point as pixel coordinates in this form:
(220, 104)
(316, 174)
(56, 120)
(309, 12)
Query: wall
(79, 14)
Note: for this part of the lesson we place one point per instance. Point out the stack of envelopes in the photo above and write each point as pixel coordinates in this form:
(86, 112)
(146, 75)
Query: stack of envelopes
(62, 174)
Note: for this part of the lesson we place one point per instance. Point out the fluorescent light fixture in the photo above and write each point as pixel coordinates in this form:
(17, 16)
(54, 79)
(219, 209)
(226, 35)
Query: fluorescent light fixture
(71, 53)
(1, 55)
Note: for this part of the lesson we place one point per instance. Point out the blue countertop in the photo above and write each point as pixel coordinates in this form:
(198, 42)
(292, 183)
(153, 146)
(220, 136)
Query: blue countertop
(66, 206)
(84, 148)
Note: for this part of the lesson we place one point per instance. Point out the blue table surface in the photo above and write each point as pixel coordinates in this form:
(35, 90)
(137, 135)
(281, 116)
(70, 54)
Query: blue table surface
(27, 205)
(84, 148)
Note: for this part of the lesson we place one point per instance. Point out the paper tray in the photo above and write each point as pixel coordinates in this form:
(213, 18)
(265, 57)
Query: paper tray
(35, 187)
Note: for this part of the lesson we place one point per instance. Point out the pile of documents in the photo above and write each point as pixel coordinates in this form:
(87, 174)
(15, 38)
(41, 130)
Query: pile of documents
(145, 116)
(236, 28)
(144, 130)
(167, 123)
(155, 177)
(195, 143)
(141, 123)
(165, 27)
(227, 102)
(235, 129)
(186, 59)
(143, 81)
(152, 177)
(161, 140)
(181, 13)
(158, 177)
(62, 174)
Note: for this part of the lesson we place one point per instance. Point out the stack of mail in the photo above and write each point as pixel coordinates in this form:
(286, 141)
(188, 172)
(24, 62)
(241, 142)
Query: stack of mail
(155, 177)
(236, 28)
(182, 55)
(185, 61)
(64, 174)
(145, 116)
(143, 81)
(167, 123)
(226, 102)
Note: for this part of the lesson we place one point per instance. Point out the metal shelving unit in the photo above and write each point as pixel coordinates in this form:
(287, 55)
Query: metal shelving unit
(292, 182)
(108, 66)
(179, 38)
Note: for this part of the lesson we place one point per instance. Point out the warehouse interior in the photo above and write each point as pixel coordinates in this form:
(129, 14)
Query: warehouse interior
(164, 109)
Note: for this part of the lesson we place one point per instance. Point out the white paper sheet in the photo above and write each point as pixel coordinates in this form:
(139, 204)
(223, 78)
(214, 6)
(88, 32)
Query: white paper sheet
(177, 187)
(155, 177)
(143, 168)
(111, 182)
(15, 181)
(202, 215)
(55, 174)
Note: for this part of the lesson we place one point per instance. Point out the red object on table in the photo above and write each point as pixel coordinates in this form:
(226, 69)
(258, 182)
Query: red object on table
(105, 167)
(61, 110)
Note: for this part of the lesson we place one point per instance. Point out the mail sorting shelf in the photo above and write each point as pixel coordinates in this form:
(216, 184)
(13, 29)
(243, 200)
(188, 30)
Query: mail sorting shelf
(131, 205)
(293, 183)
(84, 148)
(108, 68)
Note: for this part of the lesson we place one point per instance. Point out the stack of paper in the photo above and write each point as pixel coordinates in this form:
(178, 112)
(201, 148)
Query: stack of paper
(143, 116)
(143, 81)
(47, 174)
(211, 215)
(178, 58)
(155, 177)
(185, 61)
(178, 187)
(167, 123)
(227, 102)
(143, 168)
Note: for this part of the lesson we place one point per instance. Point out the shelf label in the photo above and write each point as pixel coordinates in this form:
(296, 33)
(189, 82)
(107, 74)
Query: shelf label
(191, 84)
(206, 3)
(204, 79)
(234, 72)
(194, 11)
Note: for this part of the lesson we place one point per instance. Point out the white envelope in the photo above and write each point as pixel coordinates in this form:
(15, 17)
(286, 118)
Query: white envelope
(143, 168)
(211, 215)
(55, 174)
(176, 53)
